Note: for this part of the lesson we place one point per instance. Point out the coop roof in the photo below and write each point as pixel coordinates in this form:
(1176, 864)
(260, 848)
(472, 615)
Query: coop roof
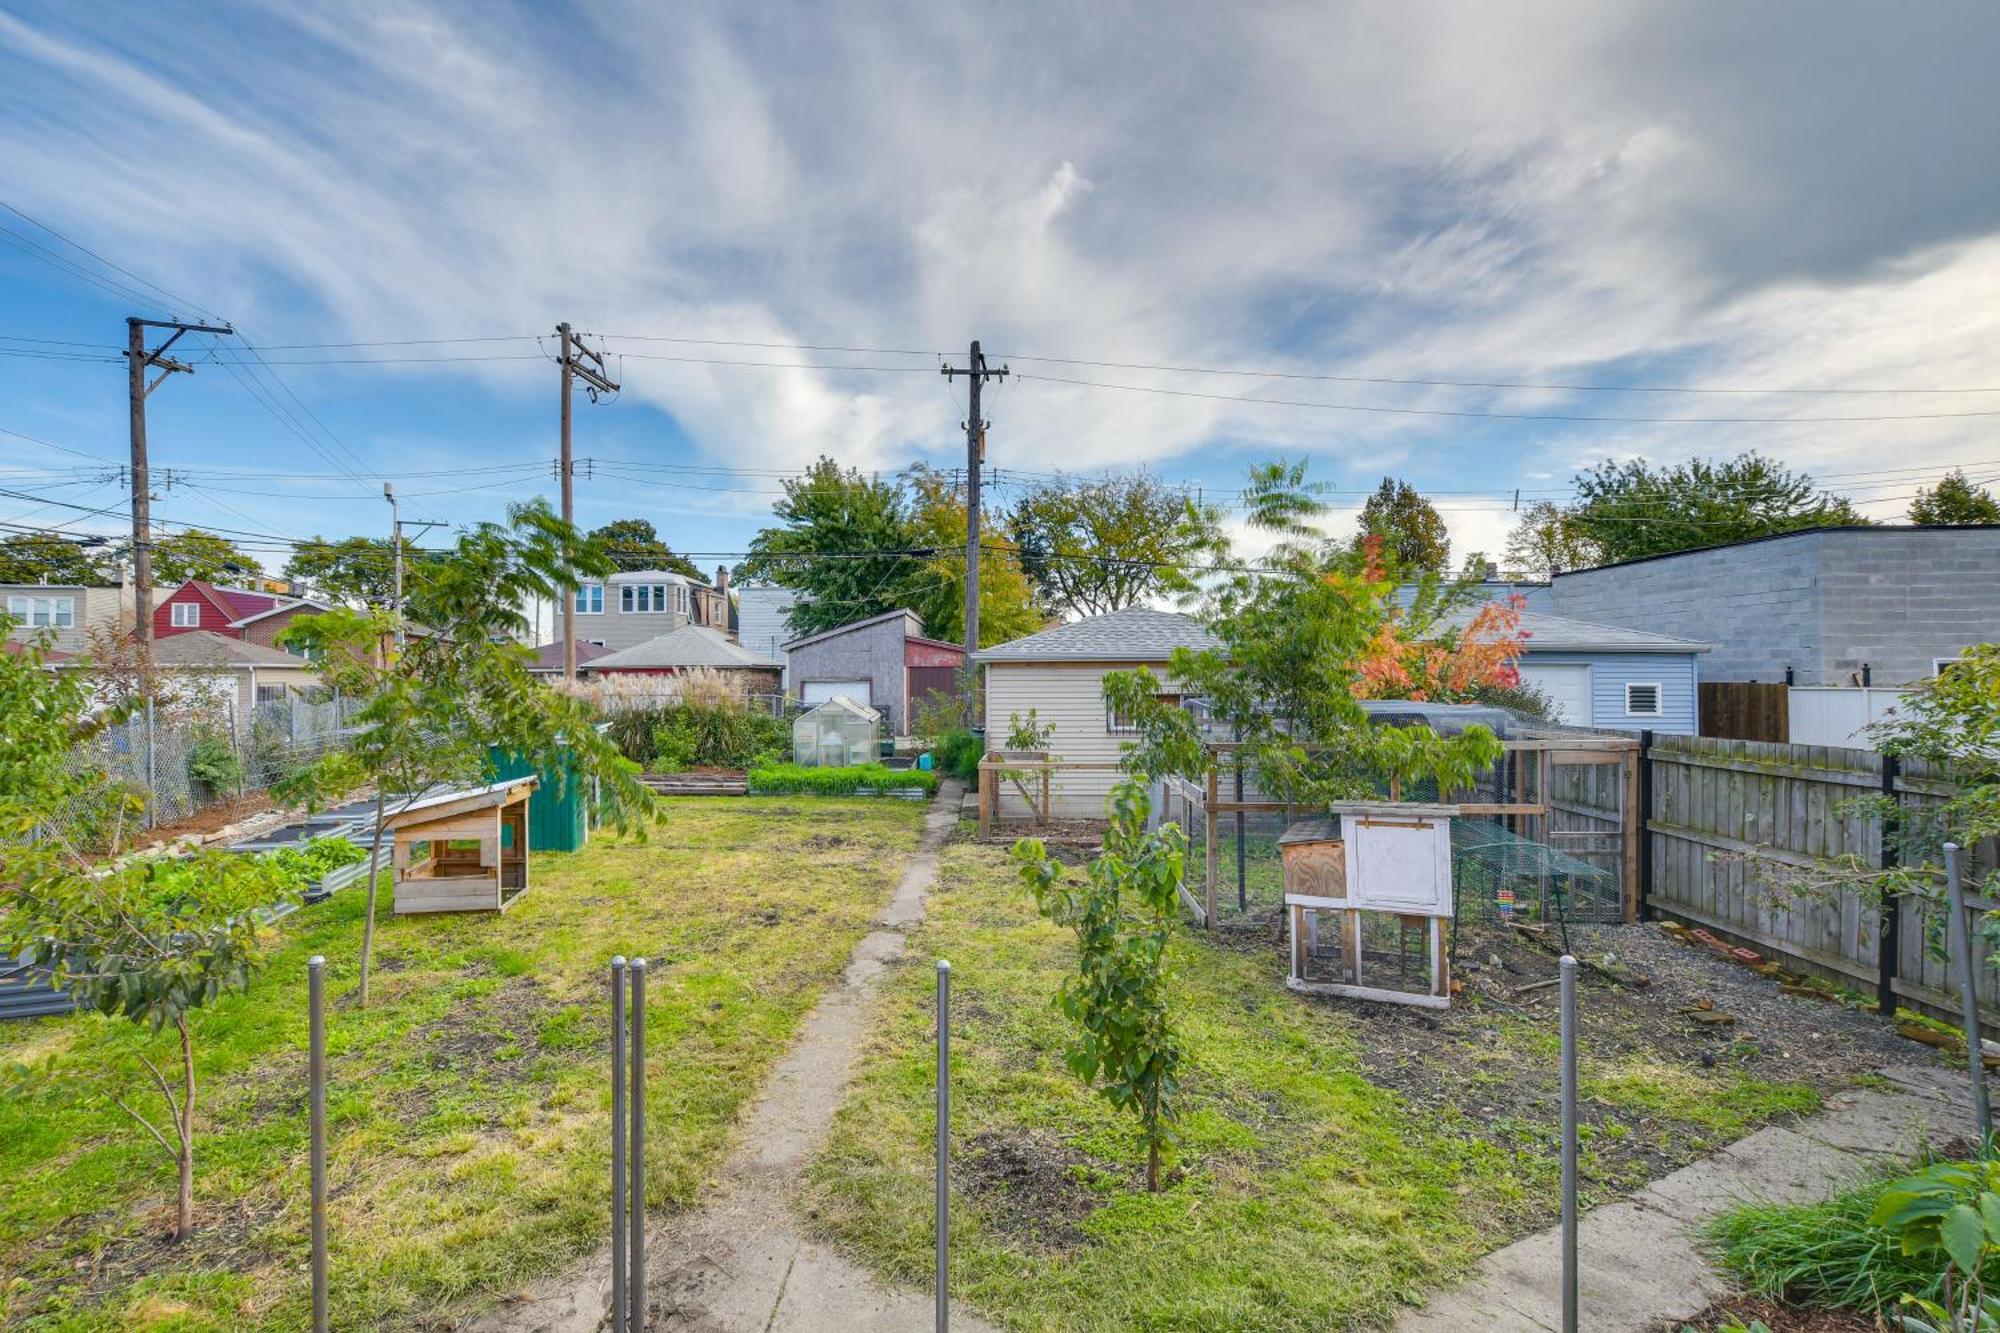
(456, 800)
(1135, 634)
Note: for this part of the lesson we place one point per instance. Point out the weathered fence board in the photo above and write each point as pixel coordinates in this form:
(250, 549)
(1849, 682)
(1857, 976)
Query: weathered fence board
(1720, 808)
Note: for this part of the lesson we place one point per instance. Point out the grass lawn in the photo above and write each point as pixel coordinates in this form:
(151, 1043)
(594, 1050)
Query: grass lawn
(469, 1104)
(1302, 1196)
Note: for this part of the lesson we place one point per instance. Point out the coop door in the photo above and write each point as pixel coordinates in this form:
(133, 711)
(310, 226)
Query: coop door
(1400, 864)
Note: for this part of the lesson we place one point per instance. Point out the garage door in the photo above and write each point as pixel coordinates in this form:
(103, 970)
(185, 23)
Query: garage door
(819, 691)
(1568, 687)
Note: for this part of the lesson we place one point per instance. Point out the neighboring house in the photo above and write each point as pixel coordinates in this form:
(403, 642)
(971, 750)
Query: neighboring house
(689, 647)
(549, 657)
(763, 619)
(1829, 605)
(264, 627)
(71, 610)
(259, 674)
(1611, 678)
(236, 613)
(640, 605)
(1059, 673)
(884, 661)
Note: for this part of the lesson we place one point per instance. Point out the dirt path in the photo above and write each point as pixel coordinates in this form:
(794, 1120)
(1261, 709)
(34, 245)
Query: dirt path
(739, 1264)
(1637, 1261)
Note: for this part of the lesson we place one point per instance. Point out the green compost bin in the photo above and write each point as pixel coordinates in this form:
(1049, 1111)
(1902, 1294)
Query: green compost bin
(557, 811)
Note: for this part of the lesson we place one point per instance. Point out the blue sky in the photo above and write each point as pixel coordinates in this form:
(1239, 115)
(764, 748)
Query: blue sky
(1641, 195)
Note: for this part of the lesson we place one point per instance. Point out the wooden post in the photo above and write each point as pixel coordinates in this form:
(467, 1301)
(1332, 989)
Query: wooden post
(1047, 785)
(1635, 819)
(1208, 843)
(986, 780)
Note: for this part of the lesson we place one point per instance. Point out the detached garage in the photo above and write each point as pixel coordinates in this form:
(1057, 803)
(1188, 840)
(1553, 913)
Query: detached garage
(1610, 678)
(884, 662)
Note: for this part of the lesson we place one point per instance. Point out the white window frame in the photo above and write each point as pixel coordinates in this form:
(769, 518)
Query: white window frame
(1938, 664)
(1659, 690)
(683, 601)
(193, 619)
(42, 612)
(643, 599)
(590, 599)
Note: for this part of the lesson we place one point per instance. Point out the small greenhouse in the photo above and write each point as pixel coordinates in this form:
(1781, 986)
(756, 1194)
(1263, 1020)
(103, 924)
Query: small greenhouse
(837, 733)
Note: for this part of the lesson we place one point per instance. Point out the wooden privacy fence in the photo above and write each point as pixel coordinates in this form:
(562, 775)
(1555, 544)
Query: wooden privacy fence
(1717, 809)
(1747, 710)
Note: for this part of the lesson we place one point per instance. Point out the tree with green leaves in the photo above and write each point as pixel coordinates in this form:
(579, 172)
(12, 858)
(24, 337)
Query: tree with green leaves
(1409, 526)
(935, 590)
(634, 543)
(151, 939)
(1634, 509)
(1093, 545)
(1546, 540)
(195, 554)
(1955, 501)
(357, 571)
(438, 708)
(1123, 914)
(45, 557)
(843, 541)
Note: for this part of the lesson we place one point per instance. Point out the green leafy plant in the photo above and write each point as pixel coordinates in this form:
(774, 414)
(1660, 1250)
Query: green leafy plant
(1950, 1209)
(212, 763)
(852, 780)
(1029, 735)
(958, 754)
(1123, 915)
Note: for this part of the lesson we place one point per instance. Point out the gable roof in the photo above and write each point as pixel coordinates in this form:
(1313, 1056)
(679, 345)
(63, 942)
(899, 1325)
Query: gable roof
(206, 648)
(284, 604)
(688, 646)
(1135, 634)
(549, 656)
(853, 625)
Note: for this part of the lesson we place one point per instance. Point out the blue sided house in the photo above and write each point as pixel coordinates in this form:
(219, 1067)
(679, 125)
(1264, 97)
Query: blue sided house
(1608, 677)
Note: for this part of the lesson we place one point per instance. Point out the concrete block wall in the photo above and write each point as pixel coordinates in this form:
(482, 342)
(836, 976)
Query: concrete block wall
(1900, 600)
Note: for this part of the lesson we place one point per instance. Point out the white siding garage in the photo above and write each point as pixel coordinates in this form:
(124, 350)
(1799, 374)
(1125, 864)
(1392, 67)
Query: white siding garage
(819, 691)
(1566, 685)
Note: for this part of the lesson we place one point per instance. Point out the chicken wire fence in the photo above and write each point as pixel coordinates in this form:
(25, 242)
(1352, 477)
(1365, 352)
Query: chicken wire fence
(180, 765)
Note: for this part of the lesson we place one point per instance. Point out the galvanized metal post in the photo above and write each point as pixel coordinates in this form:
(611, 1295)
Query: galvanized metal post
(943, 1145)
(637, 1276)
(1569, 1274)
(618, 1304)
(316, 1083)
(1960, 940)
(152, 767)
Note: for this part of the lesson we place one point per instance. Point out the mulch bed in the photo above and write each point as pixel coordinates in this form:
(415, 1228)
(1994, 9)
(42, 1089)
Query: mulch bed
(1778, 1318)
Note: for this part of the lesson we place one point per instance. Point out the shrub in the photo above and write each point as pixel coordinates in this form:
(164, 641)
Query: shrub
(855, 780)
(212, 764)
(958, 754)
(717, 735)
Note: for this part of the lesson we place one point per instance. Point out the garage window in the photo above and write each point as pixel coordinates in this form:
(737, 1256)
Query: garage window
(1642, 699)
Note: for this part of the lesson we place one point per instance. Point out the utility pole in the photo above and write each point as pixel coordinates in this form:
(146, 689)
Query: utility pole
(578, 362)
(975, 371)
(396, 555)
(138, 359)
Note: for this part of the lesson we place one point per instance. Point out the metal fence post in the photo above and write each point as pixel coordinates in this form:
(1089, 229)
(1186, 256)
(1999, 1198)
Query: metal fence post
(316, 1080)
(637, 1277)
(618, 1144)
(1960, 940)
(1569, 1274)
(1889, 939)
(943, 1145)
(152, 773)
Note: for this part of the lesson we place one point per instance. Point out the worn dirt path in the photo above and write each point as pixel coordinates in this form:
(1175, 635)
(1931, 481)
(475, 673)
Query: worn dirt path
(739, 1264)
(1637, 1262)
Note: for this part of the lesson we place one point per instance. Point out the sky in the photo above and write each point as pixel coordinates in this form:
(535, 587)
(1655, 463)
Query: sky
(1666, 220)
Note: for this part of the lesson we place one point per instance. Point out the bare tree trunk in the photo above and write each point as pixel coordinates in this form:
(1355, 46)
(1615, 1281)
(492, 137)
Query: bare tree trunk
(184, 1215)
(1153, 1166)
(374, 874)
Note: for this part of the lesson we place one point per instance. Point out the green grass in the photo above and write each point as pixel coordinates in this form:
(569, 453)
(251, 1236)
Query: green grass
(469, 1103)
(1301, 1197)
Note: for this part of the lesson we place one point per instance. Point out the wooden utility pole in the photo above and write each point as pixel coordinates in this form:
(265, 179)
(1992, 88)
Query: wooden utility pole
(578, 362)
(138, 359)
(975, 371)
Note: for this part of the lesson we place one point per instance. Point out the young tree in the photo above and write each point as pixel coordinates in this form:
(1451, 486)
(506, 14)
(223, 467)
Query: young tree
(935, 590)
(150, 939)
(1546, 541)
(194, 554)
(1634, 509)
(831, 525)
(1123, 916)
(1103, 544)
(44, 557)
(634, 543)
(438, 708)
(1954, 501)
(1412, 532)
(360, 571)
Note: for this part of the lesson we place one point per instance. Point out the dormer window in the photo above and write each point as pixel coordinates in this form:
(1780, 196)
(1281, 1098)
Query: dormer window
(185, 615)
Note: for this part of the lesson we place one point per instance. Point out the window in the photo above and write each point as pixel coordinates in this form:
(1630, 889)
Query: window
(590, 599)
(682, 602)
(644, 598)
(271, 694)
(186, 615)
(43, 612)
(1940, 665)
(1642, 700)
(1121, 723)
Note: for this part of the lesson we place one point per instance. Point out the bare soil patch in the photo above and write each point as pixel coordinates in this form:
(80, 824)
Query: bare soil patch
(1030, 1187)
(1778, 1318)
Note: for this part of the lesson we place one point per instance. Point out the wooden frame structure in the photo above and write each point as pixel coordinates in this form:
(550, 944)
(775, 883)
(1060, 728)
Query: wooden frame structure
(475, 843)
(1390, 861)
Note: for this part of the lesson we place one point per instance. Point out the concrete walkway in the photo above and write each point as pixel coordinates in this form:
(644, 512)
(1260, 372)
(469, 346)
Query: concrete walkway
(739, 1265)
(1638, 1263)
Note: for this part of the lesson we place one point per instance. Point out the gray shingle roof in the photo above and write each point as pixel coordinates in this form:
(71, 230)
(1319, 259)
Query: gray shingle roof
(1560, 634)
(1136, 634)
(688, 646)
(206, 648)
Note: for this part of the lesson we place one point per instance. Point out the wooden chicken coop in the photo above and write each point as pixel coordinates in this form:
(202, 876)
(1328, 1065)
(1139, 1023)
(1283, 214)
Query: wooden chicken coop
(463, 850)
(1368, 902)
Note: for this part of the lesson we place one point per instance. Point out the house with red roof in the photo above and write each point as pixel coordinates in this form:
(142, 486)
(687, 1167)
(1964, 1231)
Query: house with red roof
(234, 613)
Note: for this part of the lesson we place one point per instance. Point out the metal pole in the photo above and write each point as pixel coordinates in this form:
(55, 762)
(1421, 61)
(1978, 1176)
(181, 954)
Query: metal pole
(152, 763)
(944, 1144)
(638, 1274)
(316, 1079)
(1968, 988)
(1569, 1276)
(618, 1144)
